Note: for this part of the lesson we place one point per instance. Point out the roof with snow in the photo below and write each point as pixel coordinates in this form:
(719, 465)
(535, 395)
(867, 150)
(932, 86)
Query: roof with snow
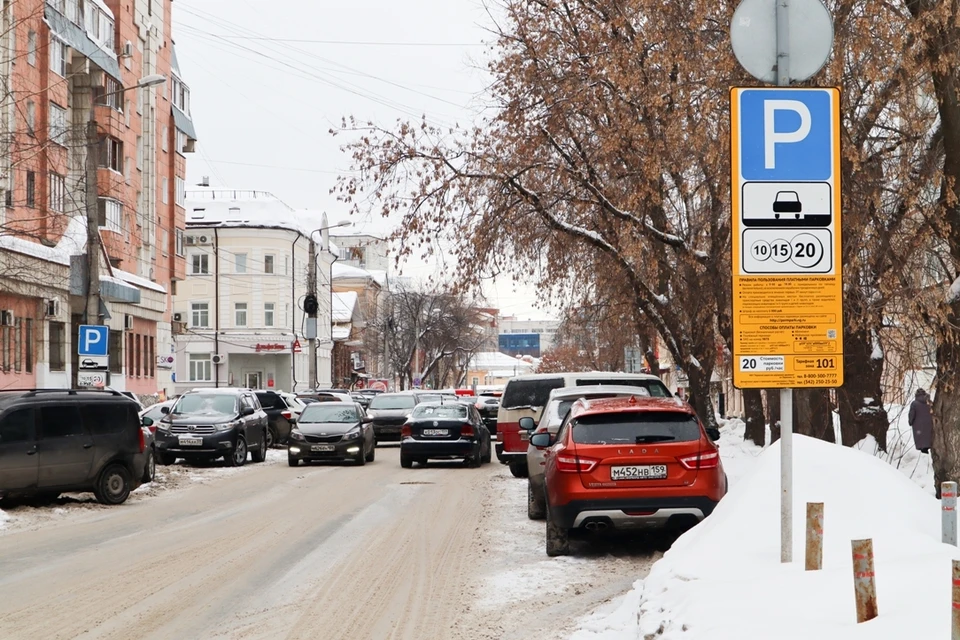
(494, 360)
(341, 271)
(344, 306)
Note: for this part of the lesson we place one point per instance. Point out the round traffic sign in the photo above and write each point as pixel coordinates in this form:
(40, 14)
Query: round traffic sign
(753, 34)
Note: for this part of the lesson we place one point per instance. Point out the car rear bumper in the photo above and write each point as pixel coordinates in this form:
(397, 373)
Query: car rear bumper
(641, 513)
(343, 450)
(509, 457)
(438, 449)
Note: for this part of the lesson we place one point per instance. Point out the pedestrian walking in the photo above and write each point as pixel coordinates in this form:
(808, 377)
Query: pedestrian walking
(920, 418)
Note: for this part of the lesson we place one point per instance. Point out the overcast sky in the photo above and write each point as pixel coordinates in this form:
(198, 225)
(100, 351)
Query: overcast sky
(269, 79)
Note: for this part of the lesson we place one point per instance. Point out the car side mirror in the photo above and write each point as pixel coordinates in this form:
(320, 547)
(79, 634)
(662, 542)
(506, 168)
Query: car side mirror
(147, 422)
(527, 423)
(713, 433)
(366, 418)
(164, 410)
(247, 411)
(541, 440)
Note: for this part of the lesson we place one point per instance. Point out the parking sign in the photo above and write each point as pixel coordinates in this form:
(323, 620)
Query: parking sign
(92, 340)
(787, 285)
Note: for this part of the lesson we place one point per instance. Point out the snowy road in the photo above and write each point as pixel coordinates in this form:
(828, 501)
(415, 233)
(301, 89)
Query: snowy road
(329, 552)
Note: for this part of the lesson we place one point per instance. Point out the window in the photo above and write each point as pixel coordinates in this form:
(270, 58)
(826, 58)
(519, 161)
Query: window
(104, 418)
(31, 118)
(17, 345)
(58, 124)
(240, 262)
(116, 351)
(58, 57)
(111, 214)
(31, 188)
(5, 347)
(268, 311)
(8, 197)
(165, 189)
(201, 367)
(240, 314)
(163, 139)
(28, 343)
(58, 191)
(181, 95)
(179, 236)
(75, 11)
(268, 263)
(199, 314)
(109, 95)
(180, 197)
(150, 364)
(286, 265)
(200, 264)
(137, 359)
(61, 421)
(130, 354)
(181, 143)
(32, 48)
(58, 347)
(111, 153)
(139, 152)
(17, 426)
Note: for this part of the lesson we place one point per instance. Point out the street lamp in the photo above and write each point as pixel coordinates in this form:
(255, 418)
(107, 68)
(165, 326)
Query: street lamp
(92, 312)
(310, 303)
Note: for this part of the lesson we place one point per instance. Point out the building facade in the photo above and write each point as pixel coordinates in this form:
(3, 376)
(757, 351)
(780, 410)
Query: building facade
(70, 71)
(363, 251)
(238, 316)
(526, 337)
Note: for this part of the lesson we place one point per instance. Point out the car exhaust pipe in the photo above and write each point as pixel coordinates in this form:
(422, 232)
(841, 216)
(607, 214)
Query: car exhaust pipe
(596, 525)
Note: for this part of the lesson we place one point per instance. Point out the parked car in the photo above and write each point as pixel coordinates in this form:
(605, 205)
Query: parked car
(524, 396)
(58, 440)
(294, 404)
(326, 396)
(488, 406)
(362, 399)
(214, 423)
(279, 416)
(391, 410)
(332, 431)
(556, 409)
(155, 411)
(619, 463)
(444, 430)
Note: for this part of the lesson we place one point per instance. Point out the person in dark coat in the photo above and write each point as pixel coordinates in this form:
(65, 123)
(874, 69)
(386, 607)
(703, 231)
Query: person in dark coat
(921, 419)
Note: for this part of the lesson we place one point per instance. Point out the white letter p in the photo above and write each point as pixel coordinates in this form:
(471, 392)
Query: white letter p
(771, 137)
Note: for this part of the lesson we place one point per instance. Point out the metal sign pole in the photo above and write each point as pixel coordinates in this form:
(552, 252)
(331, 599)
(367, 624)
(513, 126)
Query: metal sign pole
(786, 395)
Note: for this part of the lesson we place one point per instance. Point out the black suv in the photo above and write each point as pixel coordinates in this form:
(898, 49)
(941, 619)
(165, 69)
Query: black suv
(279, 416)
(65, 440)
(206, 424)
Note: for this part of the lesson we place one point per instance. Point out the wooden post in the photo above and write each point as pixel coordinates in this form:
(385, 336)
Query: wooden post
(955, 611)
(814, 547)
(864, 581)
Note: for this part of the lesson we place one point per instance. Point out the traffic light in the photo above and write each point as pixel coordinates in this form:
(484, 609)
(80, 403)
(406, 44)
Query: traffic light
(310, 304)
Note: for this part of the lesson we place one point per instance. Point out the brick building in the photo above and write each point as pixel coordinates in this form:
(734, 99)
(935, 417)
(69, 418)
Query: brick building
(57, 58)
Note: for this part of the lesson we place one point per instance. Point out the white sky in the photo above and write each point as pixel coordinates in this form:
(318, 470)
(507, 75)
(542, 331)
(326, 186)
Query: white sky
(263, 107)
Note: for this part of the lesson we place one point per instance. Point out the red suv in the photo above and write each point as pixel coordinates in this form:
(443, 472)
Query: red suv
(638, 462)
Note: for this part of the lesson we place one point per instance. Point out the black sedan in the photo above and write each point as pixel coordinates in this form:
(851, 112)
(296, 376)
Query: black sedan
(332, 431)
(444, 431)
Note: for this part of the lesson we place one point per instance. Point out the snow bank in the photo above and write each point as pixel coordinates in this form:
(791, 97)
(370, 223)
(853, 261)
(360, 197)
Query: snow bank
(3, 519)
(723, 580)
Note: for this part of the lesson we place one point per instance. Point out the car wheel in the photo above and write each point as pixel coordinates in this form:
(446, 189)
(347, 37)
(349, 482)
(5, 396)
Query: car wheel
(361, 458)
(488, 456)
(293, 462)
(557, 538)
(149, 468)
(536, 510)
(519, 470)
(373, 452)
(237, 457)
(261, 453)
(113, 485)
(166, 459)
(271, 437)
(406, 461)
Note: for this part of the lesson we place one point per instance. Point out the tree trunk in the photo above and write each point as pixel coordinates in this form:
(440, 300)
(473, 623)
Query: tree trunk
(860, 399)
(773, 413)
(946, 404)
(811, 414)
(699, 381)
(753, 408)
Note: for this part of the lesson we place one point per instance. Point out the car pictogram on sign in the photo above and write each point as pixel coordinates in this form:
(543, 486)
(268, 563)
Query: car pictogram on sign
(787, 202)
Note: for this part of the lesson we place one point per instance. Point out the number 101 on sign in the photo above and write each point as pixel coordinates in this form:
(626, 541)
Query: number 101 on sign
(761, 363)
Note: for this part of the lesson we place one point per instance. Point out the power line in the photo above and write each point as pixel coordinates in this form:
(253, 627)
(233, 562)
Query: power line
(271, 166)
(359, 43)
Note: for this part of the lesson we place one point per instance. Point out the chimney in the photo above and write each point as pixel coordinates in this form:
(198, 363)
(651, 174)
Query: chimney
(205, 181)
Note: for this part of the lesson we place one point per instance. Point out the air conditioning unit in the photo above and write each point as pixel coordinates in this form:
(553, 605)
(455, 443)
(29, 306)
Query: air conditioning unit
(179, 327)
(6, 317)
(202, 240)
(52, 308)
(191, 239)
(128, 321)
(127, 49)
(178, 317)
(218, 359)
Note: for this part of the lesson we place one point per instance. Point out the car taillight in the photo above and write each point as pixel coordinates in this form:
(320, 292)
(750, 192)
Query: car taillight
(405, 431)
(286, 414)
(143, 441)
(702, 460)
(466, 431)
(572, 464)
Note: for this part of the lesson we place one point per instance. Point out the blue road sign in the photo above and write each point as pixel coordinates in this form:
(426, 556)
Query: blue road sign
(786, 134)
(93, 340)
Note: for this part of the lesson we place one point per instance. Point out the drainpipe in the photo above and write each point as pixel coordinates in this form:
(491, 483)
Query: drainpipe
(293, 310)
(216, 305)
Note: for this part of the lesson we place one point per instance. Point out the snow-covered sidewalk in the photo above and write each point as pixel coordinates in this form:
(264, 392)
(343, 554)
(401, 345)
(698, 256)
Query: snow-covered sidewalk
(724, 580)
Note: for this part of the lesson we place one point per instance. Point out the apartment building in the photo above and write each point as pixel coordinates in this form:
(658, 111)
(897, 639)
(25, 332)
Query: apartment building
(526, 337)
(70, 71)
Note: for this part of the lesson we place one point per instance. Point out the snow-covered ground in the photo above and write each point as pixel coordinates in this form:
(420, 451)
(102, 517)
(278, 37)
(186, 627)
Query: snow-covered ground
(724, 580)
(172, 478)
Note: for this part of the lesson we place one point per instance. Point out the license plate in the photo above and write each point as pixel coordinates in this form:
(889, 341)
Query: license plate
(639, 472)
(191, 442)
(322, 447)
(436, 432)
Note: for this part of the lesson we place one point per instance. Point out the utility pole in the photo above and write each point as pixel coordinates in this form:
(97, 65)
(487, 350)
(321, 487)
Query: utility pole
(92, 312)
(310, 305)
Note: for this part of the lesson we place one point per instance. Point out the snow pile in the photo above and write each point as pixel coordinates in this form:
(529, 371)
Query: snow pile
(3, 519)
(724, 580)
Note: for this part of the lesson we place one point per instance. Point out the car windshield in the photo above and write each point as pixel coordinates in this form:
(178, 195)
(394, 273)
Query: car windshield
(441, 411)
(636, 428)
(323, 412)
(206, 404)
(393, 402)
(521, 394)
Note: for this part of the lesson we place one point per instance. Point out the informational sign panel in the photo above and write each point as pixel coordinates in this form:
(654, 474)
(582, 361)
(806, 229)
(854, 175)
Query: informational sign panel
(787, 284)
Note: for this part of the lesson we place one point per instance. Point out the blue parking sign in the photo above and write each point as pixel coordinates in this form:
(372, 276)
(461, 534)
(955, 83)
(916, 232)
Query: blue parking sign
(92, 340)
(786, 134)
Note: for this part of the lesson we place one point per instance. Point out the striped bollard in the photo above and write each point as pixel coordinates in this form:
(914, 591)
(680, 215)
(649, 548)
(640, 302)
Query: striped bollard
(864, 581)
(955, 612)
(948, 513)
(814, 555)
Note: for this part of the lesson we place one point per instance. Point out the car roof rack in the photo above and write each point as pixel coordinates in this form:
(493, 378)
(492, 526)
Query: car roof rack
(35, 392)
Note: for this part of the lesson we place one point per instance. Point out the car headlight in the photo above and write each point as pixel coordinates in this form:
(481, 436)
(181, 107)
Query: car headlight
(352, 434)
(296, 435)
(226, 426)
(163, 428)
